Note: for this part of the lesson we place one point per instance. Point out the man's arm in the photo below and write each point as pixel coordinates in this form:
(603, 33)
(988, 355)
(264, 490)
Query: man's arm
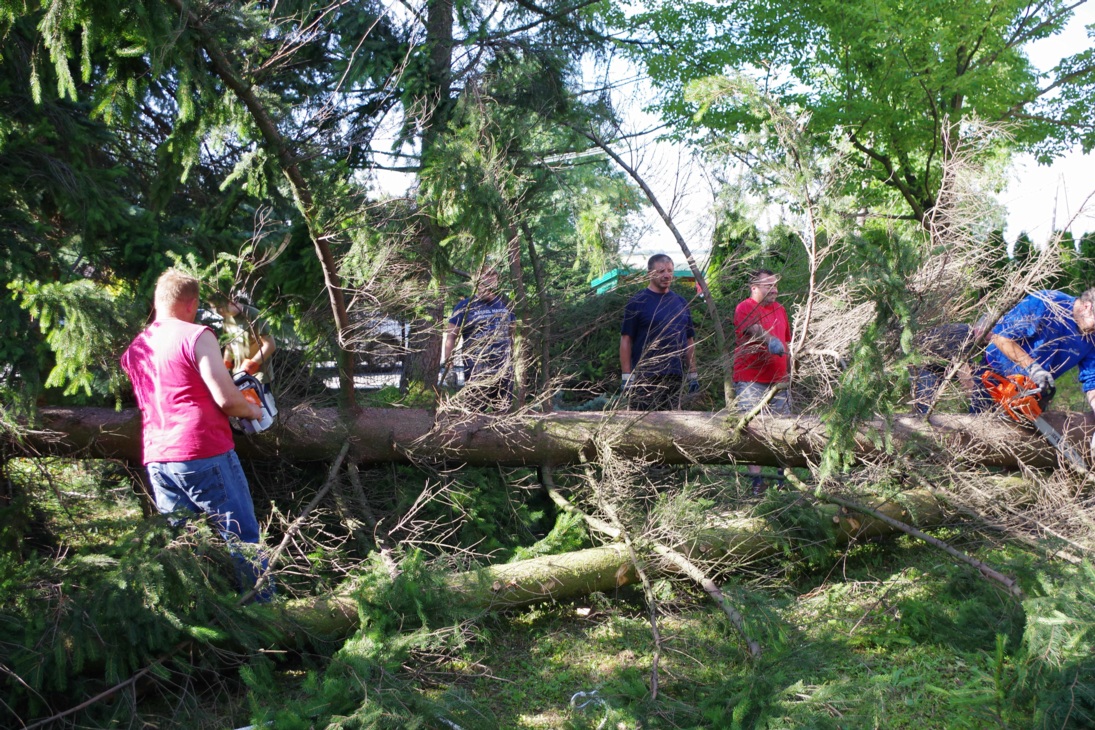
(1012, 351)
(753, 331)
(690, 355)
(448, 346)
(625, 354)
(267, 346)
(756, 332)
(253, 364)
(219, 381)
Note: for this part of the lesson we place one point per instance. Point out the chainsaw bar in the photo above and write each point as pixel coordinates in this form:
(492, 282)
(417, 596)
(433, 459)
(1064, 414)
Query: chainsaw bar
(1064, 447)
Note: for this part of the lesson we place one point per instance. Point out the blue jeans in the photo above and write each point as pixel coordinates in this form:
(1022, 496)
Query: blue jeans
(215, 486)
(925, 384)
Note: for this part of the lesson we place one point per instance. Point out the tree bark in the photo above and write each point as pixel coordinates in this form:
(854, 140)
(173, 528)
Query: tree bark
(404, 435)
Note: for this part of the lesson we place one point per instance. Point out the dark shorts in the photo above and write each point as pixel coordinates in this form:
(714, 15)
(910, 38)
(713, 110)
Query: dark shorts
(655, 392)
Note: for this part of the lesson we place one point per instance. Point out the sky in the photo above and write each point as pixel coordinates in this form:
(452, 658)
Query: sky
(1038, 198)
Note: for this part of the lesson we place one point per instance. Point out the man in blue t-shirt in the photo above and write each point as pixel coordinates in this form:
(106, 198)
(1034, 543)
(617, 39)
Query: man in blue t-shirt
(485, 325)
(657, 342)
(1045, 335)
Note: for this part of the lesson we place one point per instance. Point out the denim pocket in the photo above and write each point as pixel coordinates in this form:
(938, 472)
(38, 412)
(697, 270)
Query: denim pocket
(205, 487)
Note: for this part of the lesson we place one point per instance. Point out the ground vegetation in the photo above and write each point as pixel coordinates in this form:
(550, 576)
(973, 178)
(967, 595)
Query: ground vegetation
(243, 143)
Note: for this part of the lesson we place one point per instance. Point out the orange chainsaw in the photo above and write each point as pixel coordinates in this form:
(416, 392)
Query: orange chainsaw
(1021, 399)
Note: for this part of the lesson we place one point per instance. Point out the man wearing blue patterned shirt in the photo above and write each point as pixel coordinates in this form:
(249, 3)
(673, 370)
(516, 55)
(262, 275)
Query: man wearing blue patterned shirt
(484, 323)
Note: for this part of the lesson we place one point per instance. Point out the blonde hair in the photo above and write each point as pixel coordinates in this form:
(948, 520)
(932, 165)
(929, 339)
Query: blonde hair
(174, 287)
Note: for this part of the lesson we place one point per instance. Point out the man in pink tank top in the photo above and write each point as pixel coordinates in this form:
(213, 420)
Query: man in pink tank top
(186, 395)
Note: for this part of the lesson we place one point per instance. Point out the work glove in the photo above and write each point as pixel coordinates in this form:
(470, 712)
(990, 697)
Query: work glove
(625, 382)
(228, 364)
(251, 367)
(775, 346)
(1042, 378)
(693, 383)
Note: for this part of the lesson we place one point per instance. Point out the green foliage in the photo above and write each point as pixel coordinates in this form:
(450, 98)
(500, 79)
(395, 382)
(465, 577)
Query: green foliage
(87, 329)
(961, 615)
(736, 248)
(485, 182)
(1077, 262)
(109, 611)
(800, 528)
(867, 386)
(567, 534)
(587, 343)
(894, 102)
(363, 686)
(1057, 663)
(487, 508)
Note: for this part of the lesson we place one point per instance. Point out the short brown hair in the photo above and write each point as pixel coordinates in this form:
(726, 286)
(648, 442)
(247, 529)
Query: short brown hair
(173, 287)
(759, 274)
(658, 258)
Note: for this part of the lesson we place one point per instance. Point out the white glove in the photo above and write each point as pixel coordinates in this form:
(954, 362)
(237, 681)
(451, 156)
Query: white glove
(1041, 377)
(625, 380)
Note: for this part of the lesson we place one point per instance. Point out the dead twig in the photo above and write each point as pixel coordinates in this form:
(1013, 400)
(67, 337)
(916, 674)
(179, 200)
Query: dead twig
(332, 475)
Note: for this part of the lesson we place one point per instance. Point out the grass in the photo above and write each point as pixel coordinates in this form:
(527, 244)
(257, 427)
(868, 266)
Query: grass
(892, 635)
(901, 640)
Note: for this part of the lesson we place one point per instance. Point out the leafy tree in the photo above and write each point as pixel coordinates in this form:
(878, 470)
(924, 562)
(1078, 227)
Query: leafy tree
(1023, 249)
(898, 83)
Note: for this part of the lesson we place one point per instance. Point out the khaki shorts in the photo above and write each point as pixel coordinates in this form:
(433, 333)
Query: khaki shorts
(750, 394)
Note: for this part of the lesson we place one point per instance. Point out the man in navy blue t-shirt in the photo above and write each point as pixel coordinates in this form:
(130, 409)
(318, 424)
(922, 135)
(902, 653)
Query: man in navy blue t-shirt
(657, 342)
(485, 325)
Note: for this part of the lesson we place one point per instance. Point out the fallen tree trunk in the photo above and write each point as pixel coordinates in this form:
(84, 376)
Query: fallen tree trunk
(381, 435)
(736, 541)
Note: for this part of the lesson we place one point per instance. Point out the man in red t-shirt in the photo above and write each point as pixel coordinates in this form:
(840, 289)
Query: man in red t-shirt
(760, 358)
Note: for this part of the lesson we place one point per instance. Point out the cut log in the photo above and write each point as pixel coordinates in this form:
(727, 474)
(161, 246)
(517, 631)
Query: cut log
(382, 435)
(736, 541)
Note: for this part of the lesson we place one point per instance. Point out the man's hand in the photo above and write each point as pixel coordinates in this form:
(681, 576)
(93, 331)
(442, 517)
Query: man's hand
(625, 381)
(251, 367)
(693, 383)
(228, 364)
(775, 346)
(1042, 378)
